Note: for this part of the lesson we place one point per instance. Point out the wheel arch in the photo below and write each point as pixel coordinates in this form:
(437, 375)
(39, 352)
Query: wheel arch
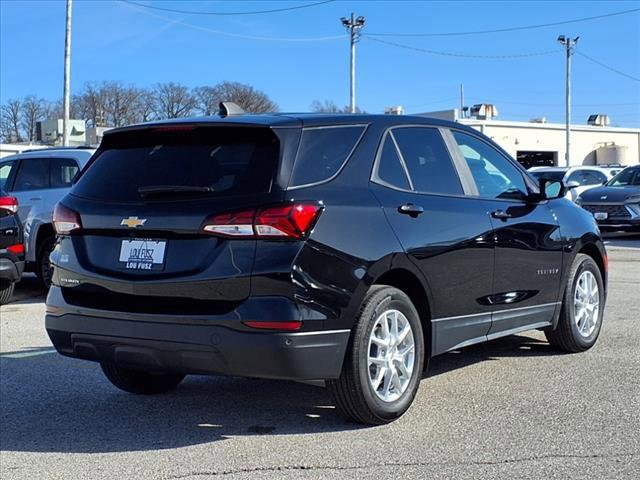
(409, 283)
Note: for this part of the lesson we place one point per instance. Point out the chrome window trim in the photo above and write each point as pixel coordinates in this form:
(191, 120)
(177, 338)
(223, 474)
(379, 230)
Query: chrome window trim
(364, 126)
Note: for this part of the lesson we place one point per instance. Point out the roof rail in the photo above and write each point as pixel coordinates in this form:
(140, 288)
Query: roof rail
(229, 109)
(80, 147)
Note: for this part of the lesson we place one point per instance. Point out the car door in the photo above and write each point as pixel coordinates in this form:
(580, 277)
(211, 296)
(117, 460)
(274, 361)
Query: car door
(444, 232)
(528, 244)
(30, 185)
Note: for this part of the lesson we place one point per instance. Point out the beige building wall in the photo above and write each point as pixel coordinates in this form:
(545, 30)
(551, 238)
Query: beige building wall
(590, 145)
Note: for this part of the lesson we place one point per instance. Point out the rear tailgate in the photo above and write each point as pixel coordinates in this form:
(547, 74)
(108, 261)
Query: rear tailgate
(143, 201)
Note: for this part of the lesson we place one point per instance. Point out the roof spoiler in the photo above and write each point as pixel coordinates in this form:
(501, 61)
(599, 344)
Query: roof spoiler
(227, 109)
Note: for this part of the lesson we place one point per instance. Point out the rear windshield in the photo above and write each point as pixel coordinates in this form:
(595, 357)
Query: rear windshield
(180, 162)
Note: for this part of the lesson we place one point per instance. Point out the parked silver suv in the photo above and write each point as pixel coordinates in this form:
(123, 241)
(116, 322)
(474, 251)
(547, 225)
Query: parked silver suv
(39, 179)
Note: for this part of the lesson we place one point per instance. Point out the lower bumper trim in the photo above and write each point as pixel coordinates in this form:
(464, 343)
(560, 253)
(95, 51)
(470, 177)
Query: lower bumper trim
(200, 349)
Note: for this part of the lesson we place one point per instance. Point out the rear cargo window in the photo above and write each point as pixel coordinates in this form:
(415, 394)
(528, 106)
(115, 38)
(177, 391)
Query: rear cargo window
(322, 153)
(181, 162)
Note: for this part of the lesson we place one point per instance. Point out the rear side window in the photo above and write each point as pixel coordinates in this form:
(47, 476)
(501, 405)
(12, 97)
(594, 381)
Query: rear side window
(33, 174)
(63, 171)
(5, 170)
(221, 161)
(322, 153)
(390, 169)
(427, 160)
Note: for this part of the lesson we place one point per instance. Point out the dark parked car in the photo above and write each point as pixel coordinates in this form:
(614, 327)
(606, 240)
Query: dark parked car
(343, 248)
(11, 247)
(616, 205)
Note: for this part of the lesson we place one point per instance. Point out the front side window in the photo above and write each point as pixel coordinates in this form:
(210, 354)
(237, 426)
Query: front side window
(322, 153)
(494, 175)
(587, 177)
(5, 171)
(427, 160)
(63, 171)
(629, 176)
(33, 174)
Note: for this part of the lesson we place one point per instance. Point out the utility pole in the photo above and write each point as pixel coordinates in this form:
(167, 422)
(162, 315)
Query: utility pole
(461, 100)
(569, 44)
(353, 25)
(67, 79)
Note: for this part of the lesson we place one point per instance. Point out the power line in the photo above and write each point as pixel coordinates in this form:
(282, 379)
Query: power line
(231, 34)
(500, 30)
(257, 12)
(636, 79)
(454, 54)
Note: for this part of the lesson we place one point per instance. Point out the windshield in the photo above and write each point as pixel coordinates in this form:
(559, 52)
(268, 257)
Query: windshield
(148, 165)
(554, 176)
(629, 176)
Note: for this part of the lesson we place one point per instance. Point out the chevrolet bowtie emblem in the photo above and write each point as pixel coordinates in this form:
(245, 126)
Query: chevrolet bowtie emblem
(133, 222)
(604, 197)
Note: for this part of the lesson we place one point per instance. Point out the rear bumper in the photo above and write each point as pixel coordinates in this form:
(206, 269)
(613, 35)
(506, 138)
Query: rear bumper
(198, 348)
(11, 269)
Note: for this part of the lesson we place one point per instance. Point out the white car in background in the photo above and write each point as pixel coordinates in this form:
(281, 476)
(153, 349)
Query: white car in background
(581, 178)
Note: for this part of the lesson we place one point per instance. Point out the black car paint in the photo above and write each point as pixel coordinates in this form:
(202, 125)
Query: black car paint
(446, 258)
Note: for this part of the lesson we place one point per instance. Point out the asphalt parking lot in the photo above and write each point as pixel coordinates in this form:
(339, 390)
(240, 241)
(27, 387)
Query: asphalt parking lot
(512, 408)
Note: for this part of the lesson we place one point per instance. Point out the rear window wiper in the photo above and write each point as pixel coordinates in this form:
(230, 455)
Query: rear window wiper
(151, 190)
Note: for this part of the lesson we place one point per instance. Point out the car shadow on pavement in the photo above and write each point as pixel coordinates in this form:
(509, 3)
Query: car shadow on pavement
(51, 403)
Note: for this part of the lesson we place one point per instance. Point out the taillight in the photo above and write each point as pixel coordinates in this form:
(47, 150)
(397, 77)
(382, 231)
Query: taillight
(18, 248)
(292, 221)
(65, 220)
(9, 203)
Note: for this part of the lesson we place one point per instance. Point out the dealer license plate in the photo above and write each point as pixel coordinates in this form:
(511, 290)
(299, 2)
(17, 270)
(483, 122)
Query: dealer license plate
(142, 254)
(601, 215)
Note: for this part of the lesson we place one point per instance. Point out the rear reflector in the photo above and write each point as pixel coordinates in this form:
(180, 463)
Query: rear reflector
(18, 248)
(65, 220)
(9, 203)
(275, 325)
(293, 221)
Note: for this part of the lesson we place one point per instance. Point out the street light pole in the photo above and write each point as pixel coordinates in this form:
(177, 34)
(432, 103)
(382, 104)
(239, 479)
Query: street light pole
(353, 25)
(67, 77)
(569, 44)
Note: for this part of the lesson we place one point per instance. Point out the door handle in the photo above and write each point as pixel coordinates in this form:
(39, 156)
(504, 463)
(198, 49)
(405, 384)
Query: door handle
(501, 214)
(33, 199)
(411, 209)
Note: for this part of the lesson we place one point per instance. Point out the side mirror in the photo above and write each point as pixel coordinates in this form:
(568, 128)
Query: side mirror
(572, 184)
(550, 189)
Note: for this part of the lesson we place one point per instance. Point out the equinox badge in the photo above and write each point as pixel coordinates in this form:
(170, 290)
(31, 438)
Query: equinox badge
(133, 222)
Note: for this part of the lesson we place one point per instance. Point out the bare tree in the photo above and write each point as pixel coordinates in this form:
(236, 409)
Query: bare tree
(326, 106)
(173, 100)
(11, 115)
(33, 110)
(247, 97)
(208, 100)
(329, 106)
(120, 104)
(92, 104)
(144, 106)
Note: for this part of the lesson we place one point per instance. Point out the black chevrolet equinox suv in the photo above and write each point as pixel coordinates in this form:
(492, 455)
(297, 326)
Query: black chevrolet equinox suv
(337, 249)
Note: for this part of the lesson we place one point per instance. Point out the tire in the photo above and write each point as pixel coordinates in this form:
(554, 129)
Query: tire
(44, 270)
(355, 396)
(569, 336)
(140, 382)
(6, 291)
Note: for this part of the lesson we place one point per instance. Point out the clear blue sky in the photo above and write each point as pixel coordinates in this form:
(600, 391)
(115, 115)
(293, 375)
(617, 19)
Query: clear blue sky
(113, 40)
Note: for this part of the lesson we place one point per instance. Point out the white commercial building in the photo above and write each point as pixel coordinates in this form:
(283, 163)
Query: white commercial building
(540, 143)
